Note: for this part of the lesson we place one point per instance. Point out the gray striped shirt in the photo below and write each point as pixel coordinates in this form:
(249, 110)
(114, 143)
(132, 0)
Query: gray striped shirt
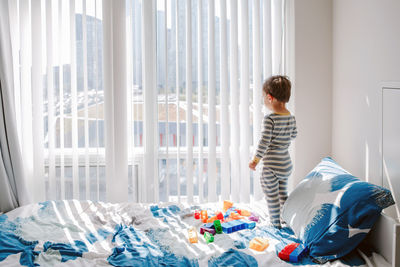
(277, 132)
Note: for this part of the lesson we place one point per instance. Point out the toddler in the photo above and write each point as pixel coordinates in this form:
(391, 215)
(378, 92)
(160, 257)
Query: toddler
(278, 129)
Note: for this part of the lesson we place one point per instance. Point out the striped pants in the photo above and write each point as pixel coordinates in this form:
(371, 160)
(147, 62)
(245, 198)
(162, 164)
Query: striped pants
(274, 185)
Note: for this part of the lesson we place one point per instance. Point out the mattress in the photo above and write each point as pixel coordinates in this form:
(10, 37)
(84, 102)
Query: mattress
(86, 233)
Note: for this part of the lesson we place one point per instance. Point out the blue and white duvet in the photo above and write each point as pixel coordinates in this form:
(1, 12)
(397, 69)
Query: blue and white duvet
(85, 233)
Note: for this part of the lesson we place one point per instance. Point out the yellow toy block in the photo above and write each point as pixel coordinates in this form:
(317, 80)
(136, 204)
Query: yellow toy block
(227, 205)
(192, 234)
(259, 243)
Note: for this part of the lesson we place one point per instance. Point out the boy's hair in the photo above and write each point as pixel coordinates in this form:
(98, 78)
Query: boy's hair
(278, 86)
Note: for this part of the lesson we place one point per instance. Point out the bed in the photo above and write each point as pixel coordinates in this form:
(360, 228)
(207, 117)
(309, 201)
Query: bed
(86, 233)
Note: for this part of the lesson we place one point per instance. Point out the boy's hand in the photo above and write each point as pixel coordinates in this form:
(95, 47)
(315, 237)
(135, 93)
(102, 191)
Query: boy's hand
(252, 165)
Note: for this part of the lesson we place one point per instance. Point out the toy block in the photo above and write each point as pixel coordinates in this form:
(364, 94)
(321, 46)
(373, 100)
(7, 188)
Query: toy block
(250, 225)
(204, 216)
(245, 213)
(238, 211)
(254, 218)
(209, 225)
(192, 234)
(259, 243)
(197, 214)
(226, 227)
(220, 216)
(208, 237)
(235, 216)
(228, 219)
(298, 253)
(241, 225)
(227, 205)
(212, 219)
(217, 226)
(284, 254)
(205, 229)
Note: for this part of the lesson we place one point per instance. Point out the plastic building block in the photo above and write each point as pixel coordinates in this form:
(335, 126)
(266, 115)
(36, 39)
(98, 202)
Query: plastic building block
(205, 229)
(220, 216)
(245, 213)
(235, 216)
(209, 225)
(208, 237)
(254, 218)
(204, 216)
(227, 205)
(197, 214)
(192, 234)
(259, 243)
(238, 211)
(233, 226)
(293, 252)
(250, 225)
(217, 226)
(212, 219)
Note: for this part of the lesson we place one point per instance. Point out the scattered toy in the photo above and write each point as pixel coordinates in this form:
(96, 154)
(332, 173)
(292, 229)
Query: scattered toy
(259, 243)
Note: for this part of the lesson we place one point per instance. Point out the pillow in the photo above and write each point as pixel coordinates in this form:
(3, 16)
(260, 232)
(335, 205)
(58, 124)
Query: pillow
(332, 211)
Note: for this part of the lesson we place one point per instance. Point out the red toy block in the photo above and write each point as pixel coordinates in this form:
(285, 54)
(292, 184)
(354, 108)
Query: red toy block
(197, 214)
(220, 216)
(284, 254)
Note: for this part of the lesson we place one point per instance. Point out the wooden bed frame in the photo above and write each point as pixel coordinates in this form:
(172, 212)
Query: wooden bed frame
(384, 238)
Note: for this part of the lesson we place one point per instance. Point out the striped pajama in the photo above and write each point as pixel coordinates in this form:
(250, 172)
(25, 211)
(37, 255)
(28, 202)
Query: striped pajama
(277, 132)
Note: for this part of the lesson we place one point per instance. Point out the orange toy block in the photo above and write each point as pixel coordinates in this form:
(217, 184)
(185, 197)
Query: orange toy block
(192, 234)
(235, 216)
(212, 219)
(227, 205)
(204, 216)
(245, 213)
(259, 243)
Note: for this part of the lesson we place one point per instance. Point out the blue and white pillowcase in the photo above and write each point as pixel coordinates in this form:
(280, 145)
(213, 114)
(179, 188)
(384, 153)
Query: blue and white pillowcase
(332, 211)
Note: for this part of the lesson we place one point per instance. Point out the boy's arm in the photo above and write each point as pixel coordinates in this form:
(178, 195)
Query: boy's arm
(265, 140)
(294, 131)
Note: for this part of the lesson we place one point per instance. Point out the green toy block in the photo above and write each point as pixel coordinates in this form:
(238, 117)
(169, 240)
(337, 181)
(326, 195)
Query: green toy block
(208, 237)
(217, 226)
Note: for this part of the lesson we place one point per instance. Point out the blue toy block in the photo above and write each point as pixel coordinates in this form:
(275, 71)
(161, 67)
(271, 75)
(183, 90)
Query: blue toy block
(233, 226)
(228, 212)
(250, 225)
(209, 225)
(298, 253)
(226, 227)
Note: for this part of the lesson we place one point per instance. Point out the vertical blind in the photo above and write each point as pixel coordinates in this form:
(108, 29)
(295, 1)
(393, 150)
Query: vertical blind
(133, 100)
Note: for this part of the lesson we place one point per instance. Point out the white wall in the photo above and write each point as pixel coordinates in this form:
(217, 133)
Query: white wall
(366, 52)
(312, 83)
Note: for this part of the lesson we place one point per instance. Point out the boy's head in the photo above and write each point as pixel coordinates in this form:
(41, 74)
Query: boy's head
(278, 87)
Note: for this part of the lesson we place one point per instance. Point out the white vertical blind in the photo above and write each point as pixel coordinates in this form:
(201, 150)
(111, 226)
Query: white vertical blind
(25, 89)
(50, 100)
(150, 99)
(86, 107)
(37, 104)
(200, 96)
(74, 106)
(234, 96)
(267, 39)
(225, 162)
(212, 131)
(244, 102)
(178, 127)
(167, 176)
(276, 32)
(257, 95)
(189, 123)
(63, 137)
